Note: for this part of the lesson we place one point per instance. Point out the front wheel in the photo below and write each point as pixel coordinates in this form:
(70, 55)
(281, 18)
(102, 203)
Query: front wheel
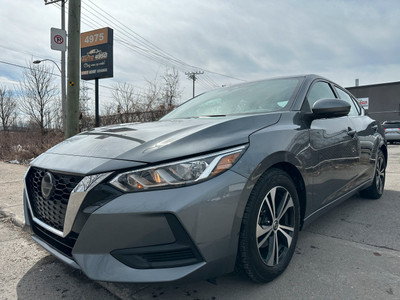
(270, 227)
(375, 191)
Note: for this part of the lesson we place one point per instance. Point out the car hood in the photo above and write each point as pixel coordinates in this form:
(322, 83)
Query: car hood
(163, 140)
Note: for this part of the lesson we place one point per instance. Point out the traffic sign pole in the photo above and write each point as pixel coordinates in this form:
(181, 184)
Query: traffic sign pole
(96, 102)
(63, 40)
(63, 81)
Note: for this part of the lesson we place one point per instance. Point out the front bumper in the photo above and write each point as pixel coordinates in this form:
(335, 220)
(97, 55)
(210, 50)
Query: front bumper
(155, 236)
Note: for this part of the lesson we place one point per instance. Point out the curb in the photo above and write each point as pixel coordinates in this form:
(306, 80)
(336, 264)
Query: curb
(4, 213)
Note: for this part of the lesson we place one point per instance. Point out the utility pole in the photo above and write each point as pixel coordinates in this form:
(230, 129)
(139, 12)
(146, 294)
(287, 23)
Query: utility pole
(192, 76)
(74, 57)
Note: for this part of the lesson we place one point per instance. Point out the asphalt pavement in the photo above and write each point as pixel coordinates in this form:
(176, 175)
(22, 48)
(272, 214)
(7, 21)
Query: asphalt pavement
(352, 252)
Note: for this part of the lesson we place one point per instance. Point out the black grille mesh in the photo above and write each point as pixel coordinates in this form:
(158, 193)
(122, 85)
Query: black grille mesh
(184, 254)
(50, 211)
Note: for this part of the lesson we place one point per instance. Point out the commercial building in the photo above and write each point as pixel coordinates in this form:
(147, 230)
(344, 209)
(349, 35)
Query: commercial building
(382, 101)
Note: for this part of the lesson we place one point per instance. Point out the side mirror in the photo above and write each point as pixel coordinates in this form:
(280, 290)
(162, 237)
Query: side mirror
(330, 108)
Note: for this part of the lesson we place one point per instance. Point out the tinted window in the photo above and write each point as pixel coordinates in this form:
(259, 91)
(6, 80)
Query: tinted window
(354, 111)
(256, 97)
(319, 90)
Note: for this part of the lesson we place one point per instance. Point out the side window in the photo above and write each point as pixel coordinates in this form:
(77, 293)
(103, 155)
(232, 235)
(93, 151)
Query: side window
(354, 111)
(320, 90)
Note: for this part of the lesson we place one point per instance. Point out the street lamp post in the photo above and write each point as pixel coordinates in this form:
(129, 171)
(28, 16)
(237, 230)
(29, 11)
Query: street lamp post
(63, 92)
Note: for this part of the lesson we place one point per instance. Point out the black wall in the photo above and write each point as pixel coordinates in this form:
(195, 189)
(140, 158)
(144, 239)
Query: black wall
(384, 99)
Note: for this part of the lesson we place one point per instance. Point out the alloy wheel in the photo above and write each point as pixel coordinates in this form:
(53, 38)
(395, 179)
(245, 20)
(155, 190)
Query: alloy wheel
(380, 174)
(275, 225)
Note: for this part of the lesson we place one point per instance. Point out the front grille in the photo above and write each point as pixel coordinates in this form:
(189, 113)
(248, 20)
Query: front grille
(64, 245)
(50, 211)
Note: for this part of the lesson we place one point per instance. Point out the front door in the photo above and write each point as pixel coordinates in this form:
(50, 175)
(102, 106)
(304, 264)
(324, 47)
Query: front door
(335, 149)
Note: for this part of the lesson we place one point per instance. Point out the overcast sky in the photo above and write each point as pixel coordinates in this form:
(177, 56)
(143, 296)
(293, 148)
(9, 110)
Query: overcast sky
(231, 41)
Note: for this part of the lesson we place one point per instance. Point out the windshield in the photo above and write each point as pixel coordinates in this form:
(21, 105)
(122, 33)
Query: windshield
(255, 97)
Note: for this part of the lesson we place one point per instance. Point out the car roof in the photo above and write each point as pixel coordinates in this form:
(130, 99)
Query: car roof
(391, 122)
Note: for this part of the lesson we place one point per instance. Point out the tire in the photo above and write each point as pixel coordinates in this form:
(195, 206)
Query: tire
(270, 227)
(375, 191)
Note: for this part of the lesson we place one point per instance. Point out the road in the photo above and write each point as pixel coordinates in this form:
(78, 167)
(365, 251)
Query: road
(352, 252)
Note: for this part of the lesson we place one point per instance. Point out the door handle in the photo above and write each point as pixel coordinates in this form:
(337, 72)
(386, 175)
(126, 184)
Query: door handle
(351, 132)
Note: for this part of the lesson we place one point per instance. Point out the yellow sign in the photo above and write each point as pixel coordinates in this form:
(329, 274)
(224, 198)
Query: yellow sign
(94, 37)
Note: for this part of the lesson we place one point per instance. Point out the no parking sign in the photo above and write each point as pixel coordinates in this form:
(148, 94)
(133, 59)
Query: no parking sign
(58, 39)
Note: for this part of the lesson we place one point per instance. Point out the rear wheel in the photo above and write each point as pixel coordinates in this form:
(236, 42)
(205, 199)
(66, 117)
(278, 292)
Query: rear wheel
(375, 191)
(270, 227)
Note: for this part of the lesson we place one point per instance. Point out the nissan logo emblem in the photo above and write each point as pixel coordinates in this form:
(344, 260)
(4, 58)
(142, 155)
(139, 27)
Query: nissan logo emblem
(47, 185)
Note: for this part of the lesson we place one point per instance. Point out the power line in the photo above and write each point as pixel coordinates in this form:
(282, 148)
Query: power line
(20, 51)
(50, 73)
(151, 49)
(124, 42)
(142, 51)
(141, 90)
(144, 41)
(146, 48)
(24, 67)
(133, 41)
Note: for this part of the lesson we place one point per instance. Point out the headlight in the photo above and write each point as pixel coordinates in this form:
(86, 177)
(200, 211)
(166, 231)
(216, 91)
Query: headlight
(178, 173)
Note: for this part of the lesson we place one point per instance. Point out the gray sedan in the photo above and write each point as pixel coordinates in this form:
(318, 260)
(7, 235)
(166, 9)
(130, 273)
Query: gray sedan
(227, 179)
(392, 131)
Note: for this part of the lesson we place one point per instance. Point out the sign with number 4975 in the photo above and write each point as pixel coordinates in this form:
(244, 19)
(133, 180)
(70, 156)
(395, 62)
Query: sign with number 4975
(97, 54)
(94, 37)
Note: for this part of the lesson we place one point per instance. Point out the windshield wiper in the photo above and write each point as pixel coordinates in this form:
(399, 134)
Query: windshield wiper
(212, 116)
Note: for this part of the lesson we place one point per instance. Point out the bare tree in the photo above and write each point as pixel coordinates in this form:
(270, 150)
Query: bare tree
(8, 108)
(109, 115)
(163, 95)
(160, 96)
(57, 120)
(38, 94)
(86, 121)
(127, 100)
(172, 90)
(153, 97)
